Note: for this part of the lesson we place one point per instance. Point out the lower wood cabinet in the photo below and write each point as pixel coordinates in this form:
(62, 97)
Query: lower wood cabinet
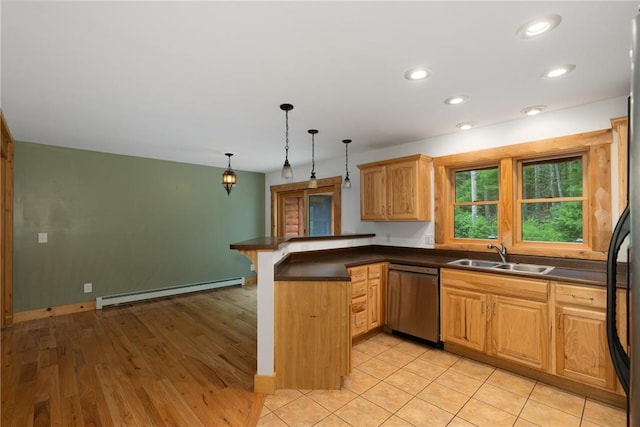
(496, 314)
(582, 351)
(463, 317)
(529, 322)
(367, 297)
(312, 340)
(520, 331)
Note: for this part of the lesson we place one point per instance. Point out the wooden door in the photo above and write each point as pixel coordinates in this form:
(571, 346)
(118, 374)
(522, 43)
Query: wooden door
(372, 193)
(373, 305)
(402, 191)
(520, 331)
(6, 225)
(292, 220)
(581, 346)
(464, 318)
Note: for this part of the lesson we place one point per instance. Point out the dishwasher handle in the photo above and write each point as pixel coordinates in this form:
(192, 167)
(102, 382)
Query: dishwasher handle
(431, 271)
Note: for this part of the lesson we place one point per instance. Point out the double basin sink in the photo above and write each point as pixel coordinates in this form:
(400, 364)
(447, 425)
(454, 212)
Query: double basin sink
(508, 266)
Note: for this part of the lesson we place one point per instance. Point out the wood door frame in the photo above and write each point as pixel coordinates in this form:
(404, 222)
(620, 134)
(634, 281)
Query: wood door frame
(334, 182)
(6, 225)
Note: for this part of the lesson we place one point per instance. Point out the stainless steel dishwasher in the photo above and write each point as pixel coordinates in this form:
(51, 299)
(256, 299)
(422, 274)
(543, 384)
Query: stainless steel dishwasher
(413, 302)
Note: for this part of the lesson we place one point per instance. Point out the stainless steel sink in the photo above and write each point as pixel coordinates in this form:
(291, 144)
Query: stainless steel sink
(475, 263)
(525, 268)
(511, 266)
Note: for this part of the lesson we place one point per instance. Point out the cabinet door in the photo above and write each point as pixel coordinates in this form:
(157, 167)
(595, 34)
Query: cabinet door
(464, 318)
(372, 193)
(373, 305)
(520, 331)
(402, 191)
(581, 346)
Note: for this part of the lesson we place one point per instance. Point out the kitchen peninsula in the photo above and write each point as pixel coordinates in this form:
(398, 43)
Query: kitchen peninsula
(293, 273)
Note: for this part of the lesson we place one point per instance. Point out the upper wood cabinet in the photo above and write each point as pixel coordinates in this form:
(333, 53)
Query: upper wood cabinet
(396, 190)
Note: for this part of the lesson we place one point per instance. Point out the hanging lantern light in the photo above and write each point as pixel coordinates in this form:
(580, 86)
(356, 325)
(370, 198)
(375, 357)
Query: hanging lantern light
(347, 181)
(313, 182)
(228, 176)
(287, 171)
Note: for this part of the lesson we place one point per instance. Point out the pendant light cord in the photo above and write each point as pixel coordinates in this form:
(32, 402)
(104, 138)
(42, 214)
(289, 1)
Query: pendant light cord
(313, 154)
(286, 135)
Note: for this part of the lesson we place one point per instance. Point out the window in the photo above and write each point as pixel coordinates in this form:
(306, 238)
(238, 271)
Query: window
(552, 200)
(548, 198)
(300, 211)
(475, 206)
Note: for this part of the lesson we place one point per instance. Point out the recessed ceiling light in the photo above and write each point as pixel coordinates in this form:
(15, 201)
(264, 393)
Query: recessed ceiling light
(457, 99)
(538, 26)
(534, 110)
(417, 73)
(559, 71)
(465, 125)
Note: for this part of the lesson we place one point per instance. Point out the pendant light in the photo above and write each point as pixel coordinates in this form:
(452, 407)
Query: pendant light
(229, 176)
(313, 182)
(347, 181)
(287, 171)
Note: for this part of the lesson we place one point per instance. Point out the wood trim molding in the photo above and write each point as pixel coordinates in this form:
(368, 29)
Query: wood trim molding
(620, 126)
(59, 310)
(551, 146)
(597, 220)
(264, 384)
(303, 186)
(6, 224)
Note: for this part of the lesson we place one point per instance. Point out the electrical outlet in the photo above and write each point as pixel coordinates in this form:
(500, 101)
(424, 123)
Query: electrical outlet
(42, 237)
(388, 237)
(252, 267)
(88, 287)
(428, 239)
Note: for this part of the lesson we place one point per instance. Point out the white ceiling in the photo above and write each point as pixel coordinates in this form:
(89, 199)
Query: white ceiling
(189, 81)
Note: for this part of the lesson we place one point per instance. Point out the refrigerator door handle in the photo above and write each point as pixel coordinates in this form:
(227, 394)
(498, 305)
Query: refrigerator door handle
(619, 357)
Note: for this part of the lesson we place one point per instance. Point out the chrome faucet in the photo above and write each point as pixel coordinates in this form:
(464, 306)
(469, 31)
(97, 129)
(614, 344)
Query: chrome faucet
(501, 249)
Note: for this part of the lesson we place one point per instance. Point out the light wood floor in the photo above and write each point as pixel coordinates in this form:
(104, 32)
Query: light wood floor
(181, 361)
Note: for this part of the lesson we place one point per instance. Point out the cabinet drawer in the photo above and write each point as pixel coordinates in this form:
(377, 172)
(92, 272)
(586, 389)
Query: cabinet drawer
(375, 271)
(358, 323)
(499, 284)
(358, 274)
(358, 289)
(581, 295)
(359, 305)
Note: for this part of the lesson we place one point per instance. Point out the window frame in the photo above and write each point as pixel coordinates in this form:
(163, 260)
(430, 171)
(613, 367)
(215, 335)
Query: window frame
(584, 155)
(452, 171)
(595, 146)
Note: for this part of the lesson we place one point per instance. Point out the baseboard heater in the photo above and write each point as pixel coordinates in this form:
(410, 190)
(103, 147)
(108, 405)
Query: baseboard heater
(165, 292)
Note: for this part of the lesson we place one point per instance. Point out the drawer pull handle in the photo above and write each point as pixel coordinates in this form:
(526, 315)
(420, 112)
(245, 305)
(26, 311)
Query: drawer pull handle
(582, 297)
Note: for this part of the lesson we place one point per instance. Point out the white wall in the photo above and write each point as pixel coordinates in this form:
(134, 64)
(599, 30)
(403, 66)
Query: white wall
(585, 118)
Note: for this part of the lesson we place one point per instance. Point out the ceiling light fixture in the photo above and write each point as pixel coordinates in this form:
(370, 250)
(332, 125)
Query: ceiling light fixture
(559, 71)
(287, 171)
(228, 176)
(538, 26)
(534, 110)
(313, 182)
(465, 125)
(455, 100)
(417, 73)
(347, 181)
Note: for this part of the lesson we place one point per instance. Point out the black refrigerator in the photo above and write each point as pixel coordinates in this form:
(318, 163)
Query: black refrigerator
(624, 255)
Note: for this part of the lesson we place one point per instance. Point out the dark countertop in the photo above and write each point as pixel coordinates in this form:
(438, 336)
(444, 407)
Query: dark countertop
(273, 243)
(332, 264)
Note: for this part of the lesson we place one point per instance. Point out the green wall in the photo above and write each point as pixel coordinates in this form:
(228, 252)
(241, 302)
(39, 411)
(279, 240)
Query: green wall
(124, 224)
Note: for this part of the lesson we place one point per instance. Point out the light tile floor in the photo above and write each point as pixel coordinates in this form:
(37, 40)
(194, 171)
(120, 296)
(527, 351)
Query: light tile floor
(401, 383)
